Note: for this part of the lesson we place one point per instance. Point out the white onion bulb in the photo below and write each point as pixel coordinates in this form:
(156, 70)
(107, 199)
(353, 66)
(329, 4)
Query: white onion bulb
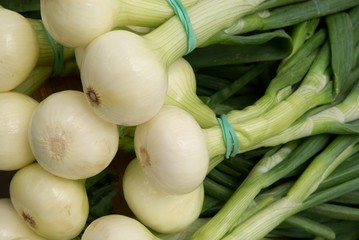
(172, 150)
(124, 78)
(12, 226)
(77, 23)
(19, 49)
(53, 207)
(68, 139)
(117, 227)
(15, 113)
(159, 210)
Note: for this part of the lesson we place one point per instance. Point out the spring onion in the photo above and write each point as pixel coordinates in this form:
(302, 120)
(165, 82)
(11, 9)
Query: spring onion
(131, 92)
(158, 90)
(26, 45)
(333, 119)
(53, 207)
(68, 139)
(76, 24)
(157, 209)
(289, 15)
(172, 150)
(325, 163)
(117, 227)
(181, 92)
(12, 225)
(266, 172)
(17, 38)
(15, 113)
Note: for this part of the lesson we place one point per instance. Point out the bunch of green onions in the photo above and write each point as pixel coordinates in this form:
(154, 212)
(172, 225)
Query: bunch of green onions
(284, 74)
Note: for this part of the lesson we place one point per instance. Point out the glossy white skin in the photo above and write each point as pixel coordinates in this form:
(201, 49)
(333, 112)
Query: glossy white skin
(54, 207)
(172, 149)
(159, 210)
(76, 23)
(128, 75)
(117, 227)
(68, 139)
(19, 49)
(15, 113)
(12, 225)
(79, 54)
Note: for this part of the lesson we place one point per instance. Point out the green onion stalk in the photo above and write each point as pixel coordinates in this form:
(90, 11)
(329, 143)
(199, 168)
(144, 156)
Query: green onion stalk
(270, 169)
(153, 53)
(262, 200)
(293, 69)
(182, 86)
(341, 116)
(301, 33)
(289, 15)
(260, 224)
(337, 188)
(314, 90)
(345, 172)
(281, 86)
(338, 119)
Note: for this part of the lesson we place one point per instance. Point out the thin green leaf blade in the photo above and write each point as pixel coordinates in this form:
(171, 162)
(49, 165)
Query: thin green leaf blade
(342, 48)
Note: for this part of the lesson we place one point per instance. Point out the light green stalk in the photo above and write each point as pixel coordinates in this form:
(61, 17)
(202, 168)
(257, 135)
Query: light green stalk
(289, 15)
(292, 72)
(207, 18)
(321, 167)
(181, 92)
(315, 90)
(329, 120)
(301, 33)
(341, 39)
(267, 171)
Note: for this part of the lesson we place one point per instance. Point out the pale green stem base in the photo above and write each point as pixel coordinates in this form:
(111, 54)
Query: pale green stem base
(207, 18)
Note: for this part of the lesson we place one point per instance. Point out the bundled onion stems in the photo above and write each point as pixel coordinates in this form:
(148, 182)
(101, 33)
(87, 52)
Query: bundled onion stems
(308, 113)
(324, 159)
(267, 171)
(324, 164)
(337, 119)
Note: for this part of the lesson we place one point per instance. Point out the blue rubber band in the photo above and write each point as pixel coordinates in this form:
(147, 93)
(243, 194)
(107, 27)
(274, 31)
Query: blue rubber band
(58, 52)
(229, 136)
(181, 13)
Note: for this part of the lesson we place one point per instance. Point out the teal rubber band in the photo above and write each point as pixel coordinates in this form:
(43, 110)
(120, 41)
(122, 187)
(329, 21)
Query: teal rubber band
(58, 52)
(229, 136)
(182, 14)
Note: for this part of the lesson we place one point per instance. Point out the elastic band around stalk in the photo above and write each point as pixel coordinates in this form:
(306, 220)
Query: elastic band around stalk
(229, 136)
(182, 14)
(58, 52)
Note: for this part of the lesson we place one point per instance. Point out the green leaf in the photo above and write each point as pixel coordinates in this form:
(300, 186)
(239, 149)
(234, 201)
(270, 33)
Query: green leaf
(21, 6)
(342, 48)
(267, 46)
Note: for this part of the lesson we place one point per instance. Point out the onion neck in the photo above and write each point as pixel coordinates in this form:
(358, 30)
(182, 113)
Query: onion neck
(207, 18)
(215, 141)
(146, 13)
